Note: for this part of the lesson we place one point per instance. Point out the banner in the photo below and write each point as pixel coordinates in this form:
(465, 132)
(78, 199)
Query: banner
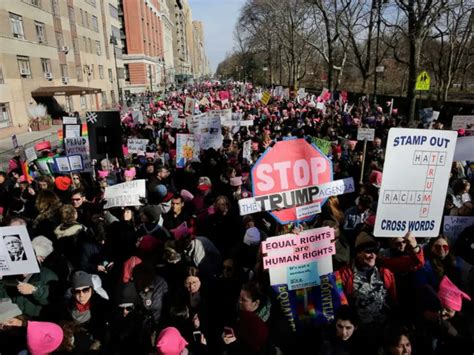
(125, 194)
(136, 145)
(415, 179)
(17, 256)
(187, 149)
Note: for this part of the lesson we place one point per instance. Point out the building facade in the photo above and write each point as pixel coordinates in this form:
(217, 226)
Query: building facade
(70, 45)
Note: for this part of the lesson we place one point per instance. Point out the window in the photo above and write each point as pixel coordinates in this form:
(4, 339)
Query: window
(91, 2)
(95, 23)
(72, 15)
(69, 104)
(90, 45)
(59, 40)
(75, 44)
(83, 102)
(82, 17)
(86, 17)
(101, 71)
(36, 3)
(92, 71)
(115, 32)
(79, 73)
(24, 67)
(2, 80)
(112, 96)
(91, 100)
(113, 12)
(55, 7)
(126, 72)
(111, 77)
(46, 65)
(16, 23)
(64, 70)
(40, 32)
(4, 115)
(85, 44)
(104, 98)
(98, 49)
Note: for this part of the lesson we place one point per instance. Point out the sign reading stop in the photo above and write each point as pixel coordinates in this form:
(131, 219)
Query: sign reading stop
(288, 174)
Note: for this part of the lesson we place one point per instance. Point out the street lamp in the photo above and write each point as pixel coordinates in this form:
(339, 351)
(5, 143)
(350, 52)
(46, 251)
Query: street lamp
(113, 42)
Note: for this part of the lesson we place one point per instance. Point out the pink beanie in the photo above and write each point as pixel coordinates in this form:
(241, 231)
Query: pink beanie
(186, 195)
(376, 178)
(170, 342)
(181, 231)
(148, 244)
(103, 173)
(43, 337)
(129, 173)
(451, 296)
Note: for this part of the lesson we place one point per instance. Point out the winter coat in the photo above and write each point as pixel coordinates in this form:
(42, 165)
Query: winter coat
(153, 298)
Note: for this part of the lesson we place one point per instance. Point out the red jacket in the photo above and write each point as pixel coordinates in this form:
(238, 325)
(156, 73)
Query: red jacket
(347, 277)
(404, 263)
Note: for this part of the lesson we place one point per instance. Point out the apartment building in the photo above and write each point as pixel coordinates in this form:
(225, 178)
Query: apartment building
(63, 53)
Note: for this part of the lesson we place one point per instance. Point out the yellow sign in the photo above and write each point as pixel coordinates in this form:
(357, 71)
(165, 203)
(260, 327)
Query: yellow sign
(265, 98)
(423, 81)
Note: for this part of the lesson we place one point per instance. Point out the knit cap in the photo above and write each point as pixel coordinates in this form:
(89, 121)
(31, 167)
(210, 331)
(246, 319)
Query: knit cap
(43, 337)
(170, 342)
(63, 182)
(42, 246)
(365, 241)
(252, 236)
(81, 279)
(451, 296)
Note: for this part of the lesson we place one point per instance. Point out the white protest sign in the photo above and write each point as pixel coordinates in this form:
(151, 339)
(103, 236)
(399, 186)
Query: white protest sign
(308, 210)
(137, 117)
(69, 120)
(365, 133)
(466, 122)
(187, 149)
(298, 249)
(125, 194)
(30, 154)
(415, 179)
(247, 151)
(79, 146)
(454, 225)
(209, 132)
(464, 149)
(136, 145)
(75, 162)
(72, 131)
(278, 92)
(298, 196)
(69, 164)
(17, 256)
(189, 106)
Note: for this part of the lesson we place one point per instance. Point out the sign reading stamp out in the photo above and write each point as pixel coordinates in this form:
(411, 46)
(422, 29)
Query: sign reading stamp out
(416, 173)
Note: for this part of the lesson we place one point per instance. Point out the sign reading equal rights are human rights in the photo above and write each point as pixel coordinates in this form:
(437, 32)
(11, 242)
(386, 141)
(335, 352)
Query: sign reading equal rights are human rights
(414, 184)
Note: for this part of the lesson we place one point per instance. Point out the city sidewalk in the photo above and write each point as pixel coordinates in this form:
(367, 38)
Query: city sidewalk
(27, 139)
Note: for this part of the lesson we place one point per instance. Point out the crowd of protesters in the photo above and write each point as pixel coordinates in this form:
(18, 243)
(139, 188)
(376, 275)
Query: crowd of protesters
(183, 272)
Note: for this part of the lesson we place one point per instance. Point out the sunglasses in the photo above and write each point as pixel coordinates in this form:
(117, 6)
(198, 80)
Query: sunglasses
(371, 250)
(75, 199)
(441, 247)
(127, 308)
(84, 290)
(402, 242)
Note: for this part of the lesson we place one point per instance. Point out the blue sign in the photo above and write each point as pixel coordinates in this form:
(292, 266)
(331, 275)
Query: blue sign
(303, 276)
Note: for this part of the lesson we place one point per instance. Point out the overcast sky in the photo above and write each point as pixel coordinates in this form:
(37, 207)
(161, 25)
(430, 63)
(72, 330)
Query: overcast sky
(218, 17)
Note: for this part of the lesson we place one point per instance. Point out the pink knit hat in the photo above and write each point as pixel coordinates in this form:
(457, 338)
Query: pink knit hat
(43, 337)
(451, 296)
(186, 195)
(181, 231)
(170, 342)
(103, 173)
(129, 173)
(376, 178)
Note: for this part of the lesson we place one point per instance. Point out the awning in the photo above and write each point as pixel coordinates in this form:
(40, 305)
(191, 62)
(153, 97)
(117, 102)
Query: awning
(66, 90)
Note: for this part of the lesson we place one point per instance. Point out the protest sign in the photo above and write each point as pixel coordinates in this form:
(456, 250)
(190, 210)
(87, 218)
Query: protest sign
(187, 149)
(189, 106)
(17, 256)
(303, 276)
(69, 120)
(45, 165)
(30, 154)
(247, 151)
(365, 133)
(136, 145)
(278, 91)
(415, 179)
(322, 144)
(68, 164)
(137, 117)
(465, 122)
(72, 130)
(298, 249)
(125, 194)
(225, 116)
(301, 93)
(265, 98)
(289, 165)
(464, 149)
(75, 146)
(286, 94)
(454, 225)
(209, 130)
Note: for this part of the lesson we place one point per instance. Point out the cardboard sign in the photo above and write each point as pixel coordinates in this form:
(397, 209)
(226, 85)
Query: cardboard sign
(303, 276)
(69, 164)
(247, 151)
(75, 146)
(464, 149)
(72, 131)
(209, 132)
(365, 133)
(187, 149)
(17, 256)
(454, 225)
(69, 120)
(189, 106)
(136, 145)
(466, 122)
(415, 179)
(125, 194)
(308, 210)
